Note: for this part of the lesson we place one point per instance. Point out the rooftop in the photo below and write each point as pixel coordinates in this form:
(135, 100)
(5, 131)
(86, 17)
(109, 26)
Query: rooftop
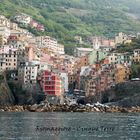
(84, 49)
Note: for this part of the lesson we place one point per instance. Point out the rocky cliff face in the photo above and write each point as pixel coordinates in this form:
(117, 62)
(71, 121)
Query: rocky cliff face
(6, 96)
(125, 94)
(11, 92)
(28, 96)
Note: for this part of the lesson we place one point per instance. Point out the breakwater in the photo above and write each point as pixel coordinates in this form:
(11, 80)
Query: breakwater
(66, 108)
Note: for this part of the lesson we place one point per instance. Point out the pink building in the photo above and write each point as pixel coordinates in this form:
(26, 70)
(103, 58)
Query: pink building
(25, 55)
(40, 27)
(51, 83)
(30, 53)
(12, 38)
(33, 24)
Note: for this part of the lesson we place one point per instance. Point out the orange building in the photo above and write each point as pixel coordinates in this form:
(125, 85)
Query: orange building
(122, 73)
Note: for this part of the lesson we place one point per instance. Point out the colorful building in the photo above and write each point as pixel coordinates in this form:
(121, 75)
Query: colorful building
(4, 21)
(96, 56)
(23, 19)
(124, 58)
(122, 38)
(113, 58)
(8, 58)
(27, 73)
(51, 83)
(136, 56)
(94, 82)
(122, 74)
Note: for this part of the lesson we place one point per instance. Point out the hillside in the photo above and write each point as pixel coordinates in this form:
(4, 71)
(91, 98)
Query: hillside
(64, 19)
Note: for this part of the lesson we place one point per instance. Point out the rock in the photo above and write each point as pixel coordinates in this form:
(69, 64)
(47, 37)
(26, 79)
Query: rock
(96, 109)
(124, 110)
(65, 108)
(33, 108)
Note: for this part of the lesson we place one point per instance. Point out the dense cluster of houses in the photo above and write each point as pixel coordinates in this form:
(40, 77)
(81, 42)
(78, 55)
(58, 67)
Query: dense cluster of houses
(26, 20)
(42, 60)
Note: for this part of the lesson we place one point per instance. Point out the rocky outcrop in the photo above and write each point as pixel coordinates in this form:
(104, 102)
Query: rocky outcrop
(6, 96)
(27, 96)
(128, 101)
(15, 108)
(43, 107)
(124, 94)
(11, 92)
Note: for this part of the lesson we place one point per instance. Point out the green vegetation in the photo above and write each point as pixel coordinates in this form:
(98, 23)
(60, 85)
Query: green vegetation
(135, 44)
(1, 77)
(63, 19)
(135, 71)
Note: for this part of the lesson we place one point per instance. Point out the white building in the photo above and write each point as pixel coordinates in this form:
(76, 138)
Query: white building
(23, 19)
(96, 43)
(64, 77)
(13, 26)
(46, 42)
(4, 31)
(113, 58)
(4, 34)
(60, 49)
(27, 73)
(122, 38)
(4, 21)
(82, 51)
(136, 56)
(8, 58)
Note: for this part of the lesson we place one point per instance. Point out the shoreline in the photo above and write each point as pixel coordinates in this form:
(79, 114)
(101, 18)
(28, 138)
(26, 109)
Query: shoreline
(66, 108)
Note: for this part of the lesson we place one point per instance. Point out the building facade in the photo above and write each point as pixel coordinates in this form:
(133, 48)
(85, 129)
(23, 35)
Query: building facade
(78, 52)
(27, 73)
(8, 58)
(122, 74)
(136, 56)
(51, 83)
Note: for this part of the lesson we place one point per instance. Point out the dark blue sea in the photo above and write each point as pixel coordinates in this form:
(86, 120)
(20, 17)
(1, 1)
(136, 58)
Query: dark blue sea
(69, 126)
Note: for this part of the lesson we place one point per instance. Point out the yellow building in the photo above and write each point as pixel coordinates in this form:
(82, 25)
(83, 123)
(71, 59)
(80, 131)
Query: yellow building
(122, 73)
(3, 40)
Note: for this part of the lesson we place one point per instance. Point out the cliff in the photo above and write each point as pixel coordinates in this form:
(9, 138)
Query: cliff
(12, 93)
(6, 96)
(124, 94)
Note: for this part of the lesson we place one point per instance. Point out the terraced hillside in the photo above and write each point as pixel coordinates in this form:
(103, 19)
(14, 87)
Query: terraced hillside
(63, 19)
